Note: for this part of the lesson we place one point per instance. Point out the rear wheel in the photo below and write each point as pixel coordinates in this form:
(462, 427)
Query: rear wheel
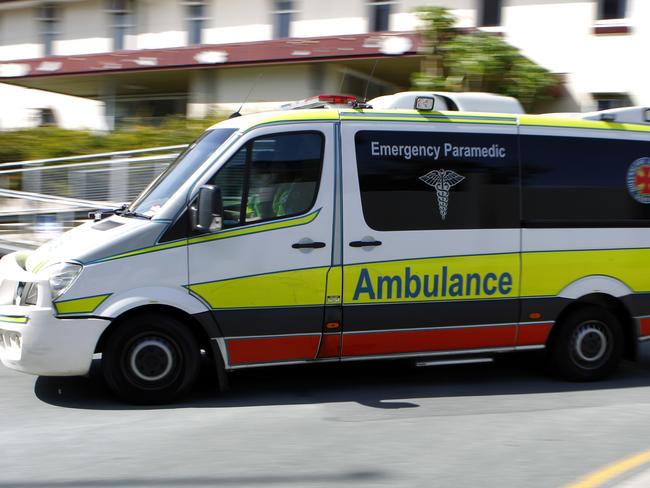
(589, 344)
(151, 358)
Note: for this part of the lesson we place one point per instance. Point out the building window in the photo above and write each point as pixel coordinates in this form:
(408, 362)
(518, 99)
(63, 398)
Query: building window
(282, 19)
(121, 12)
(490, 13)
(195, 11)
(49, 20)
(46, 117)
(611, 9)
(380, 15)
(605, 101)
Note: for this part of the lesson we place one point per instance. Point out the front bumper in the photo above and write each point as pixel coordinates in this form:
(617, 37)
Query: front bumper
(32, 339)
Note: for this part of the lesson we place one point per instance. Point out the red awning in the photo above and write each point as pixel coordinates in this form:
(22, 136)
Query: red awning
(296, 50)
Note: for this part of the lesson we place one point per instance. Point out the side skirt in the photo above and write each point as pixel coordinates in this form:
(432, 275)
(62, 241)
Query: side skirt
(477, 352)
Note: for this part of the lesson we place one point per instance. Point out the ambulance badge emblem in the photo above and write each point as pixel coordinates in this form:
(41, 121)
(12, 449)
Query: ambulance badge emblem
(638, 180)
(442, 180)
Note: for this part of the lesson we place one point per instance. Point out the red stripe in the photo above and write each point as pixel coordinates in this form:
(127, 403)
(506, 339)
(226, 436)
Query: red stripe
(330, 346)
(270, 349)
(533, 335)
(644, 327)
(428, 340)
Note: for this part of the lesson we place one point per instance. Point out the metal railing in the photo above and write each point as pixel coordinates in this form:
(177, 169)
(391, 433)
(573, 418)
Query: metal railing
(41, 198)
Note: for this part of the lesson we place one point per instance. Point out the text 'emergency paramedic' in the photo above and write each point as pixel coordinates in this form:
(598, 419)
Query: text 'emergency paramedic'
(446, 150)
(437, 285)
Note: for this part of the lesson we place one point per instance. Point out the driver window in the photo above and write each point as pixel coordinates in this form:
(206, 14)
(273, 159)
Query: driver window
(271, 177)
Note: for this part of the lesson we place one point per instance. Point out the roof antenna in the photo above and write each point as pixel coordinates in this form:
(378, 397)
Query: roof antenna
(363, 103)
(342, 81)
(238, 112)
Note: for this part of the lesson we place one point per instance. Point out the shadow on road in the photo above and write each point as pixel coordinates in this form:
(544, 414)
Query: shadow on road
(381, 385)
(270, 479)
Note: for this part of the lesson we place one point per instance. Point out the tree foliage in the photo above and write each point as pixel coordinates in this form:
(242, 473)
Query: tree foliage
(476, 61)
(53, 142)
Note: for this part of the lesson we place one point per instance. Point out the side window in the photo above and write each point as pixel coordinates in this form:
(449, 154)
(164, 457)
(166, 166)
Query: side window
(584, 181)
(271, 177)
(431, 181)
(231, 181)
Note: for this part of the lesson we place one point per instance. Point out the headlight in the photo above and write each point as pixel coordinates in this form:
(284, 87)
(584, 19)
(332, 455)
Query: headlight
(62, 276)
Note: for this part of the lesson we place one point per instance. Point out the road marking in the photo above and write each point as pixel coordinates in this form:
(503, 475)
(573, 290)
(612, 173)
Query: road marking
(641, 480)
(602, 476)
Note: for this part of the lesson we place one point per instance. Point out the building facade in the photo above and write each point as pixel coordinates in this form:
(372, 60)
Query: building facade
(125, 59)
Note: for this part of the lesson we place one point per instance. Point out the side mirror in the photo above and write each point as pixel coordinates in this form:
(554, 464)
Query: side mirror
(424, 104)
(209, 209)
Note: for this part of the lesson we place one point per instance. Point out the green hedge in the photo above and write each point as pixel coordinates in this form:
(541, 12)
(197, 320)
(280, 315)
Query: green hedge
(52, 142)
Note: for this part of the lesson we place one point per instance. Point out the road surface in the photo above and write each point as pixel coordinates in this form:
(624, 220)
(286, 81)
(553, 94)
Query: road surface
(370, 425)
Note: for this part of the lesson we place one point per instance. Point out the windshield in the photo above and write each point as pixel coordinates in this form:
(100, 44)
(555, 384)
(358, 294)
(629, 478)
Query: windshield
(162, 188)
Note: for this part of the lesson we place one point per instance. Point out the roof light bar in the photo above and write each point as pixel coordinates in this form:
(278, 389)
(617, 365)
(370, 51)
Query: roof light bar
(320, 101)
(336, 99)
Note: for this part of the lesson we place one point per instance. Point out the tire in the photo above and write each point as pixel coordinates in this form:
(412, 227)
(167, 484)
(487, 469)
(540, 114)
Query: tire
(588, 346)
(151, 359)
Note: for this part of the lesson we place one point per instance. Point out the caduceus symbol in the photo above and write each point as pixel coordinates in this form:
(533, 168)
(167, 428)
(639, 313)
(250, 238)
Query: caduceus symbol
(442, 180)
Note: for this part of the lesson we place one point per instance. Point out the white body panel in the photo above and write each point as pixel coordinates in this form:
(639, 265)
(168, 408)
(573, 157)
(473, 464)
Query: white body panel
(595, 284)
(269, 252)
(420, 325)
(270, 299)
(416, 243)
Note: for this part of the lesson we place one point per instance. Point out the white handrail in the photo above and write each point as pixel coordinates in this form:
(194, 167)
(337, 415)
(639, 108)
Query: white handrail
(144, 159)
(92, 156)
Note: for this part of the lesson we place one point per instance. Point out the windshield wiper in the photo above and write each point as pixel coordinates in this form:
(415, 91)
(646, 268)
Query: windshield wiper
(126, 212)
(122, 211)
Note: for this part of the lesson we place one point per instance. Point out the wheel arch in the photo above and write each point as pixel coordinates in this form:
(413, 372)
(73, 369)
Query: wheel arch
(611, 303)
(200, 325)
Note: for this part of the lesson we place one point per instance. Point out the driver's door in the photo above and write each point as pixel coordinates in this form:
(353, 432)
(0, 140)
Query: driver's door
(264, 275)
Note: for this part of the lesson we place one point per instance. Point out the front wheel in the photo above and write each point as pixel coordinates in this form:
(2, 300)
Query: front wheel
(151, 358)
(588, 346)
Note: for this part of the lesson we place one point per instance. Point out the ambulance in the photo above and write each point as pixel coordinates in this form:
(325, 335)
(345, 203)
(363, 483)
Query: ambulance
(352, 233)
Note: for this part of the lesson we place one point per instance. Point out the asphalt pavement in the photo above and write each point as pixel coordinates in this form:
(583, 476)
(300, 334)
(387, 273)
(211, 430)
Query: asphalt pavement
(363, 424)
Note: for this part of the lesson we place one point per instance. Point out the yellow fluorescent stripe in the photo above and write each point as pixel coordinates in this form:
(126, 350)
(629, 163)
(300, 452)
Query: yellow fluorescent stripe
(412, 116)
(282, 224)
(39, 266)
(481, 118)
(490, 276)
(160, 247)
(21, 258)
(288, 288)
(540, 120)
(13, 320)
(602, 476)
(547, 273)
(422, 119)
(404, 281)
(334, 285)
(81, 305)
(220, 235)
(300, 115)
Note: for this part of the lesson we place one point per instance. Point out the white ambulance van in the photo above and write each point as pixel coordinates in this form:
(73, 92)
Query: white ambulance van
(350, 234)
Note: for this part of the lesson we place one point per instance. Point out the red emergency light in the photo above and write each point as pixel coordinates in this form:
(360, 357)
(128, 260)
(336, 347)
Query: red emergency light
(335, 99)
(320, 101)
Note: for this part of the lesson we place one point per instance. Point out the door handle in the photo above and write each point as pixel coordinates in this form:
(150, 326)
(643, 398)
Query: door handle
(308, 245)
(365, 243)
